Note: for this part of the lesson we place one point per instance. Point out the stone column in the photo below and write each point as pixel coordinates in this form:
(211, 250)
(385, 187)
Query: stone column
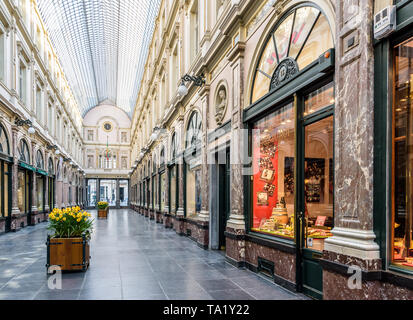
(235, 243)
(46, 195)
(15, 212)
(97, 191)
(204, 214)
(34, 211)
(353, 234)
(181, 188)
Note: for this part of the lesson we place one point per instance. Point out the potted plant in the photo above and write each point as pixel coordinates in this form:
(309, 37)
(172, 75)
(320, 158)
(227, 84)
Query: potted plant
(68, 247)
(103, 209)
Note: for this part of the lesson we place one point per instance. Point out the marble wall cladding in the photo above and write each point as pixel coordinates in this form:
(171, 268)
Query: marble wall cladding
(152, 214)
(354, 116)
(167, 221)
(2, 226)
(284, 263)
(158, 217)
(235, 249)
(366, 265)
(34, 218)
(336, 287)
(178, 225)
(199, 232)
(18, 222)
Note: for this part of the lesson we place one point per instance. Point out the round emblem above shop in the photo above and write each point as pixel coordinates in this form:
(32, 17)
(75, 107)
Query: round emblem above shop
(286, 70)
(107, 126)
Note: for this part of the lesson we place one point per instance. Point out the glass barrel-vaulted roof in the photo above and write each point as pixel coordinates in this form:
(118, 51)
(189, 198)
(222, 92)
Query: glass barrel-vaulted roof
(102, 46)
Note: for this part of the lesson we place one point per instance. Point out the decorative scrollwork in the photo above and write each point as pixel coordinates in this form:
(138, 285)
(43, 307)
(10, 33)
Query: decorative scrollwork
(286, 70)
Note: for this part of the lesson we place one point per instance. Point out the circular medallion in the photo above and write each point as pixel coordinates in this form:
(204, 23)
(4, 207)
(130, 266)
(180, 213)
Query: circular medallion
(107, 126)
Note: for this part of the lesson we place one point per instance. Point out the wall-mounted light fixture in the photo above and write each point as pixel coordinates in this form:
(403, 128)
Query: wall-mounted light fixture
(155, 133)
(199, 81)
(20, 123)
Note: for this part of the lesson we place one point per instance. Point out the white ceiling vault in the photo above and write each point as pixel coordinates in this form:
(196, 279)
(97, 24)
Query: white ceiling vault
(102, 46)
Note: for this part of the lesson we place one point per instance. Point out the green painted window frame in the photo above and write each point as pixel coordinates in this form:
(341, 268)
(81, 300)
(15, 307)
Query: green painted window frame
(383, 93)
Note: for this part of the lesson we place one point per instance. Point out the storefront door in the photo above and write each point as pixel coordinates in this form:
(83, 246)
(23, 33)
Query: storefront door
(315, 177)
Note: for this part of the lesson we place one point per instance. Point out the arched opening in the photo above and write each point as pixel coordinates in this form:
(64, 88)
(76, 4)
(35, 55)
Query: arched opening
(5, 178)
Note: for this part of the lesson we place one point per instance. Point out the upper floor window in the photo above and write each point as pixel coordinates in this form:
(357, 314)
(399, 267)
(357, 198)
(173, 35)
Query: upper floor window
(194, 30)
(124, 137)
(39, 160)
(90, 135)
(39, 103)
(194, 131)
(51, 166)
(299, 39)
(22, 81)
(23, 149)
(2, 55)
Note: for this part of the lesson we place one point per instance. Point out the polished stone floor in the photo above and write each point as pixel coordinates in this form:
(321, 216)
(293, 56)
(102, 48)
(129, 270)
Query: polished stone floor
(132, 259)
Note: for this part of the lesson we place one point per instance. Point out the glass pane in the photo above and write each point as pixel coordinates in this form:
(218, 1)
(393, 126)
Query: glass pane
(91, 192)
(21, 194)
(268, 61)
(273, 179)
(319, 99)
(193, 192)
(124, 192)
(319, 41)
(318, 183)
(6, 190)
(304, 20)
(163, 192)
(40, 193)
(282, 36)
(261, 86)
(172, 187)
(403, 156)
(108, 191)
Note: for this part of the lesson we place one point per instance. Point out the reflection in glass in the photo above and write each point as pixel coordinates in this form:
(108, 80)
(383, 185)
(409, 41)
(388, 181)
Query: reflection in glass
(23, 191)
(91, 192)
(282, 37)
(273, 179)
(402, 199)
(108, 191)
(172, 186)
(318, 183)
(163, 192)
(193, 191)
(40, 193)
(319, 99)
(124, 193)
(319, 41)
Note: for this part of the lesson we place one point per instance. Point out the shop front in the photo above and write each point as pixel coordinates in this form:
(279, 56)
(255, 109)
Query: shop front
(162, 188)
(41, 178)
(24, 185)
(173, 182)
(154, 188)
(51, 189)
(289, 187)
(5, 182)
(195, 229)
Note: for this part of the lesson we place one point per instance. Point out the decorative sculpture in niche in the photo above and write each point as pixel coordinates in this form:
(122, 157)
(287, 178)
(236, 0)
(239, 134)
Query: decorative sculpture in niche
(221, 105)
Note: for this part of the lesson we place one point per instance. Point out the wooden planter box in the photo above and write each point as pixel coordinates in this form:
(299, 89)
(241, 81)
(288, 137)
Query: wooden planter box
(103, 213)
(71, 254)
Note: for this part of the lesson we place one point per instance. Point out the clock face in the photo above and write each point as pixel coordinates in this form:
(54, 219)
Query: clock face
(107, 126)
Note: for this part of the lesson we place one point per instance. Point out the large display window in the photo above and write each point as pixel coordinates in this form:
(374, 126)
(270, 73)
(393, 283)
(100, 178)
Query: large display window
(4, 176)
(40, 192)
(273, 178)
(124, 193)
(91, 192)
(23, 191)
(402, 187)
(193, 191)
(162, 191)
(173, 189)
(318, 183)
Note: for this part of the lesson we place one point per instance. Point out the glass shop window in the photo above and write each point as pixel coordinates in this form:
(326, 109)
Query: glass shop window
(273, 176)
(402, 188)
(40, 192)
(193, 191)
(319, 183)
(173, 189)
(163, 191)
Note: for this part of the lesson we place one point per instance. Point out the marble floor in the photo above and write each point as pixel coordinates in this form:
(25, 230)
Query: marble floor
(132, 259)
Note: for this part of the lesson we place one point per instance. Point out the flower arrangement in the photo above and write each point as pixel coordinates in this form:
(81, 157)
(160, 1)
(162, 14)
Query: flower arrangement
(102, 205)
(70, 223)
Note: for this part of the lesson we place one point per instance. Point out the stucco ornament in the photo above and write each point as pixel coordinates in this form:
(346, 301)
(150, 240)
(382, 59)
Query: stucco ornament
(221, 106)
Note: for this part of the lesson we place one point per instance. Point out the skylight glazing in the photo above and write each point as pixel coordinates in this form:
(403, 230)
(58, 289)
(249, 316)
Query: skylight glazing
(102, 46)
